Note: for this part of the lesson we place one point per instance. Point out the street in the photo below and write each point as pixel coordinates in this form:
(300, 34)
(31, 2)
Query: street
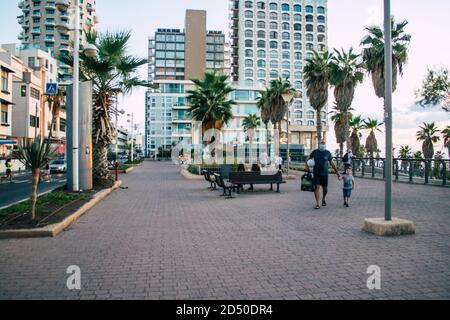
(21, 188)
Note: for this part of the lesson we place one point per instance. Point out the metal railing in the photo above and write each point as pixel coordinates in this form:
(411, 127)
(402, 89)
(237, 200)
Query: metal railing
(419, 171)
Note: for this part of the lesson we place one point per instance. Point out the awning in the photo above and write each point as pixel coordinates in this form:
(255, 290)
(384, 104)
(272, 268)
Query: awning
(2, 101)
(7, 142)
(7, 69)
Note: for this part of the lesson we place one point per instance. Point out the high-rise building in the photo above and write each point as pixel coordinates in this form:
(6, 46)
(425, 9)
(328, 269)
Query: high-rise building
(39, 21)
(175, 57)
(272, 39)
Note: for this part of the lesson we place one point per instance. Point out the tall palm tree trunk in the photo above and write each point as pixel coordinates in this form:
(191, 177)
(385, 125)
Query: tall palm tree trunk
(319, 127)
(34, 184)
(347, 130)
(101, 174)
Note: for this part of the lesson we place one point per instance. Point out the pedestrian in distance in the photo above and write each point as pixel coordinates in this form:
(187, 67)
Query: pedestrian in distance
(348, 185)
(9, 174)
(322, 159)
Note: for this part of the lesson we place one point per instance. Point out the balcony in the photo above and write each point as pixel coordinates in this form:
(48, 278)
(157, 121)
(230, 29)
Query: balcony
(51, 23)
(89, 8)
(36, 30)
(36, 15)
(50, 5)
(64, 16)
(62, 5)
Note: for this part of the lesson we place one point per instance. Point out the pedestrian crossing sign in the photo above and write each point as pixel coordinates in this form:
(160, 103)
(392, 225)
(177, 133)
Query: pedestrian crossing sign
(51, 88)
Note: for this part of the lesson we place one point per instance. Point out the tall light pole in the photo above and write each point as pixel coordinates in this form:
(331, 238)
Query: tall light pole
(117, 126)
(132, 135)
(388, 106)
(288, 96)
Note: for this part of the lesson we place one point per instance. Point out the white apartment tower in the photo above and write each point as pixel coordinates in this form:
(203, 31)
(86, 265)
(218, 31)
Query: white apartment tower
(39, 21)
(272, 39)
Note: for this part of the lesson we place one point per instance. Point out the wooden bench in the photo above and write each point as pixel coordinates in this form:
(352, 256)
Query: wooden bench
(242, 178)
(227, 188)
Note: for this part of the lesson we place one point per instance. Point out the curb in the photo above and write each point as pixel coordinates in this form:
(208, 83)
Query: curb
(190, 176)
(55, 229)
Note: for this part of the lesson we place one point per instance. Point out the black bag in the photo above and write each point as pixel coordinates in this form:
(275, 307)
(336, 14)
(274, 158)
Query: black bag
(345, 158)
(307, 182)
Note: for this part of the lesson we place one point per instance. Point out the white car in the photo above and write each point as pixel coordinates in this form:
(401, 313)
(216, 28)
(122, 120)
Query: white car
(58, 166)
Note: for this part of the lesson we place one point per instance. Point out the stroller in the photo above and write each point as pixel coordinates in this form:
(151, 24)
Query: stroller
(307, 182)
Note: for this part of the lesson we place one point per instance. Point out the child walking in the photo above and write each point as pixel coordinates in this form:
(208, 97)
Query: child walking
(349, 185)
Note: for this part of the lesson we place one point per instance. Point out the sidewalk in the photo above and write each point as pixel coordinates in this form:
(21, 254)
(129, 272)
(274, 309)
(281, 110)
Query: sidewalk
(170, 238)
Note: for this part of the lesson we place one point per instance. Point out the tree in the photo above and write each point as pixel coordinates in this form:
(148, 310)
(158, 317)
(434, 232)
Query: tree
(317, 76)
(446, 138)
(112, 72)
(209, 101)
(435, 89)
(371, 141)
(55, 103)
(340, 126)
(373, 54)
(405, 153)
(356, 124)
(34, 155)
(429, 135)
(250, 123)
(346, 72)
(263, 105)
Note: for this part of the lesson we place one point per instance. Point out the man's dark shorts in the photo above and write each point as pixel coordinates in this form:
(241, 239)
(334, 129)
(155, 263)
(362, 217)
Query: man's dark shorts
(321, 180)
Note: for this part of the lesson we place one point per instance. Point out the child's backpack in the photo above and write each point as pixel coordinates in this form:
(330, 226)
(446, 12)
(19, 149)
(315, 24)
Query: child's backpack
(307, 182)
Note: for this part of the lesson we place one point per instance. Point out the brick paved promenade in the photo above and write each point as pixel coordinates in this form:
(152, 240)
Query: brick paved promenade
(170, 238)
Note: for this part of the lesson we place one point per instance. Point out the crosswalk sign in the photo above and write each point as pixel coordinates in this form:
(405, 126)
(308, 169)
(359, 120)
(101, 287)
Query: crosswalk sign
(51, 88)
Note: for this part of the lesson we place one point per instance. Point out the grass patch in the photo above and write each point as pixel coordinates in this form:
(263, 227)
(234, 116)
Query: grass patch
(50, 208)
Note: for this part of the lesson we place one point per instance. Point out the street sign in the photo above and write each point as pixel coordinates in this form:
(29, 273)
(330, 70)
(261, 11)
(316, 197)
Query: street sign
(51, 88)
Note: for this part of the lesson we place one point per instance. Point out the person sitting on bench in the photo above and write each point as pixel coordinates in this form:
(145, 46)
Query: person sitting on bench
(255, 168)
(241, 168)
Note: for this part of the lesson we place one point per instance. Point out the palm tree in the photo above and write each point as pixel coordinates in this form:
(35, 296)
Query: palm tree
(373, 54)
(34, 156)
(346, 73)
(277, 105)
(405, 153)
(265, 111)
(435, 88)
(429, 135)
(209, 102)
(112, 72)
(317, 77)
(446, 137)
(371, 141)
(341, 124)
(356, 124)
(250, 123)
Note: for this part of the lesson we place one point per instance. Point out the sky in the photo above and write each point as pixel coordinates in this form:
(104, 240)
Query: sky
(429, 24)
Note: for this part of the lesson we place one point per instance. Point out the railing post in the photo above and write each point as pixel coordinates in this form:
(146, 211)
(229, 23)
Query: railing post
(373, 168)
(411, 164)
(396, 170)
(426, 172)
(444, 173)
(384, 168)
(363, 169)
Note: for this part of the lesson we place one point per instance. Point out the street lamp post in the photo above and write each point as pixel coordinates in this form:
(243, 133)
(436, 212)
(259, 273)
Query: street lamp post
(288, 96)
(117, 128)
(388, 111)
(132, 135)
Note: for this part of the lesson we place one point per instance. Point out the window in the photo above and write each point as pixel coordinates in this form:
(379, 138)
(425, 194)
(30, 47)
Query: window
(285, 74)
(261, 15)
(311, 123)
(261, 34)
(273, 74)
(273, 25)
(273, 16)
(249, 63)
(261, 63)
(309, 37)
(297, 17)
(248, 4)
(322, 47)
(310, 115)
(248, 14)
(249, 73)
(285, 17)
(248, 33)
(5, 82)
(297, 8)
(273, 54)
(261, 25)
(261, 44)
(309, 28)
(285, 7)
(297, 27)
(273, 6)
(4, 118)
(298, 65)
(62, 125)
(249, 43)
(321, 10)
(261, 5)
(274, 64)
(35, 93)
(309, 9)
(23, 91)
(297, 36)
(321, 38)
(285, 36)
(285, 45)
(298, 85)
(309, 18)
(286, 26)
(261, 53)
(273, 35)
(309, 46)
(261, 73)
(298, 115)
(286, 55)
(248, 24)
(321, 19)
(34, 122)
(286, 64)
(321, 29)
(273, 45)
(298, 46)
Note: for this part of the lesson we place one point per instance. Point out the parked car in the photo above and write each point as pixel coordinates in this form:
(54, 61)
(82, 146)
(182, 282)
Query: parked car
(58, 166)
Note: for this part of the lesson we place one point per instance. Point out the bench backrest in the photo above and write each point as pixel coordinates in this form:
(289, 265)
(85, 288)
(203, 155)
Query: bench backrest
(243, 177)
(219, 180)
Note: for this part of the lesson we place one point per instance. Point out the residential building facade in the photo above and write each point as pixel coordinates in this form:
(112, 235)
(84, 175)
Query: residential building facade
(272, 39)
(6, 103)
(175, 57)
(40, 19)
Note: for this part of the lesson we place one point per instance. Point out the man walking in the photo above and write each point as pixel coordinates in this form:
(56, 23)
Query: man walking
(348, 158)
(322, 158)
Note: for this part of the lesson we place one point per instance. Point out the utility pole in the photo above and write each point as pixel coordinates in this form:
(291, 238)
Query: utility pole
(76, 98)
(388, 107)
